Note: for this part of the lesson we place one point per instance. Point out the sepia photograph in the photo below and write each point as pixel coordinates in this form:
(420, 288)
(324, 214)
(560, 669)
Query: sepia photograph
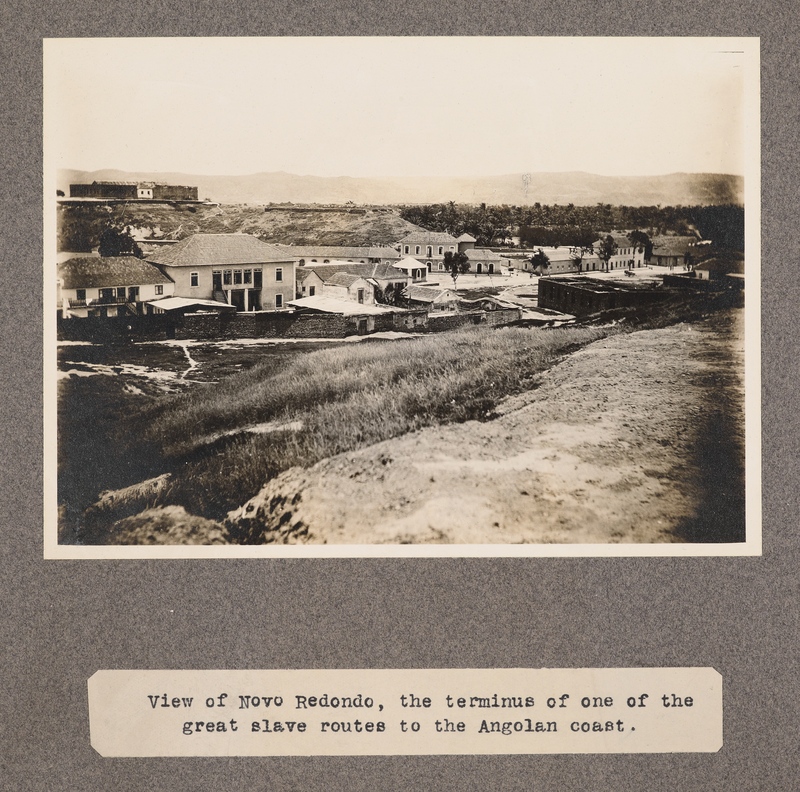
(400, 296)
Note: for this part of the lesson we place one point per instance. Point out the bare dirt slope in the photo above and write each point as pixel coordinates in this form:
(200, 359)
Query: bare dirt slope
(636, 438)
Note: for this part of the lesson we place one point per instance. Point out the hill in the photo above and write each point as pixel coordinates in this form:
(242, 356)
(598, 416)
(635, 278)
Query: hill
(579, 188)
(79, 224)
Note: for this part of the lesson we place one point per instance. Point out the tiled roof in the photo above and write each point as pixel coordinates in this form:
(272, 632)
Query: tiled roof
(95, 272)
(343, 279)
(409, 264)
(378, 271)
(428, 238)
(426, 293)
(304, 272)
(339, 252)
(482, 254)
(672, 245)
(466, 238)
(220, 250)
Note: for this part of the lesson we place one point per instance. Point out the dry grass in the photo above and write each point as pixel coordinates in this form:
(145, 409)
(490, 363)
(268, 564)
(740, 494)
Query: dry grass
(346, 398)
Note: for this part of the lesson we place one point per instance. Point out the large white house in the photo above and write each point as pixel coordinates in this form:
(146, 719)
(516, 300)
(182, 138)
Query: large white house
(237, 269)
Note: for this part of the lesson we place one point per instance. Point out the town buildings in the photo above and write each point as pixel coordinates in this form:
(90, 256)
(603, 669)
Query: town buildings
(116, 286)
(236, 269)
(133, 191)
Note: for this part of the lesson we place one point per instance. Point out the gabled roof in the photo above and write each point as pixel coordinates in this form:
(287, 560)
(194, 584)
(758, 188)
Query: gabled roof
(220, 250)
(428, 238)
(384, 272)
(482, 254)
(427, 294)
(409, 264)
(95, 272)
(343, 279)
(466, 238)
(672, 245)
(303, 274)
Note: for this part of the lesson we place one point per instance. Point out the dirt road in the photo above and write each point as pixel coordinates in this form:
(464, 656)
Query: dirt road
(635, 438)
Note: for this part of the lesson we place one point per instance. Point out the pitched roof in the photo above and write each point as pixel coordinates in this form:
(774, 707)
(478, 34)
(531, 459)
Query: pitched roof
(220, 250)
(340, 251)
(378, 271)
(428, 238)
(427, 294)
(303, 273)
(482, 254)
(465, 237)
(409, 264)
(672, 245)
(95, 272)
(178, 303)
(343, 279)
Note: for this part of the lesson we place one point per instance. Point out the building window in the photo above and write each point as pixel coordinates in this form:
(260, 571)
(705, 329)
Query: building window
(80, 294)
(416, 250)
(237, 277)
(278, 275)
(159, 289)
(121, 292)
(361, 296)
(257, 279)
(429, 251)
(194, 278)
(452, 247)
(248, 276)
(441, 250)
(279, 301)
(227, 277)
(302, 262)
(311, 290)
(441, 267)
(406, 248)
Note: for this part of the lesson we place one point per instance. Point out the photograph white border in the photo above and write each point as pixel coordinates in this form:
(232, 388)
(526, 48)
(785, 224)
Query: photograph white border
(751, 547)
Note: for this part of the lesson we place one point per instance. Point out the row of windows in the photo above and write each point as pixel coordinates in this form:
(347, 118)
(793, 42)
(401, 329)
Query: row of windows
(428, 250)
(236, 277)
(118, 292)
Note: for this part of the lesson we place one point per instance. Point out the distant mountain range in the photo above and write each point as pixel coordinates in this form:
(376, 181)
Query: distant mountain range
(581, 189)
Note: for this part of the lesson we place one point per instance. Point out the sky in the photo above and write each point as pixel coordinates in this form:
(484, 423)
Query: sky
(372, 107)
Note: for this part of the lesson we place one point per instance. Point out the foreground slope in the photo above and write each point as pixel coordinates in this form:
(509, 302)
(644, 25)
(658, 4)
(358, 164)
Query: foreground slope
(635, 438)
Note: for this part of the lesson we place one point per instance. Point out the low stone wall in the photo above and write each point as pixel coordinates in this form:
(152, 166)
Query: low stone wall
(223, 326)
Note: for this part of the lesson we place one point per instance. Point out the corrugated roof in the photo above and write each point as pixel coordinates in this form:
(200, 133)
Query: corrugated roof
(328, 304)
(95, 272)
(220, 250)
(174, 303)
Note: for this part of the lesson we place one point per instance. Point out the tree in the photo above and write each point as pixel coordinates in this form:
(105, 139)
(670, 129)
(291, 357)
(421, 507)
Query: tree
(456, 264)
(540, 260)
(640, 239)
(116, 241)
(605, 250)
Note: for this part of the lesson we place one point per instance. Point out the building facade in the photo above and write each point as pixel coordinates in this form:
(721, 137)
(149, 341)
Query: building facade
(236, 269)
(113, 286)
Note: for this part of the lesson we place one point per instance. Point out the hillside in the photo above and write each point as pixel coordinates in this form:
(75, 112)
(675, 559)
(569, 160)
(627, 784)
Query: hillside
(79, 224)
(581, 189)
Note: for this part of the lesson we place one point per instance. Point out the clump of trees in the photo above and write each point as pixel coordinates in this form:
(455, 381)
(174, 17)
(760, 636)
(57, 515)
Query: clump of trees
(540, 262)
(118, 241)
(456, 263)
(570, 225)
(605, 250)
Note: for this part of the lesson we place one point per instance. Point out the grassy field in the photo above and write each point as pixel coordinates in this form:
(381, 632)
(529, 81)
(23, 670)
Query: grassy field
(317, 404)
(344, 398)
